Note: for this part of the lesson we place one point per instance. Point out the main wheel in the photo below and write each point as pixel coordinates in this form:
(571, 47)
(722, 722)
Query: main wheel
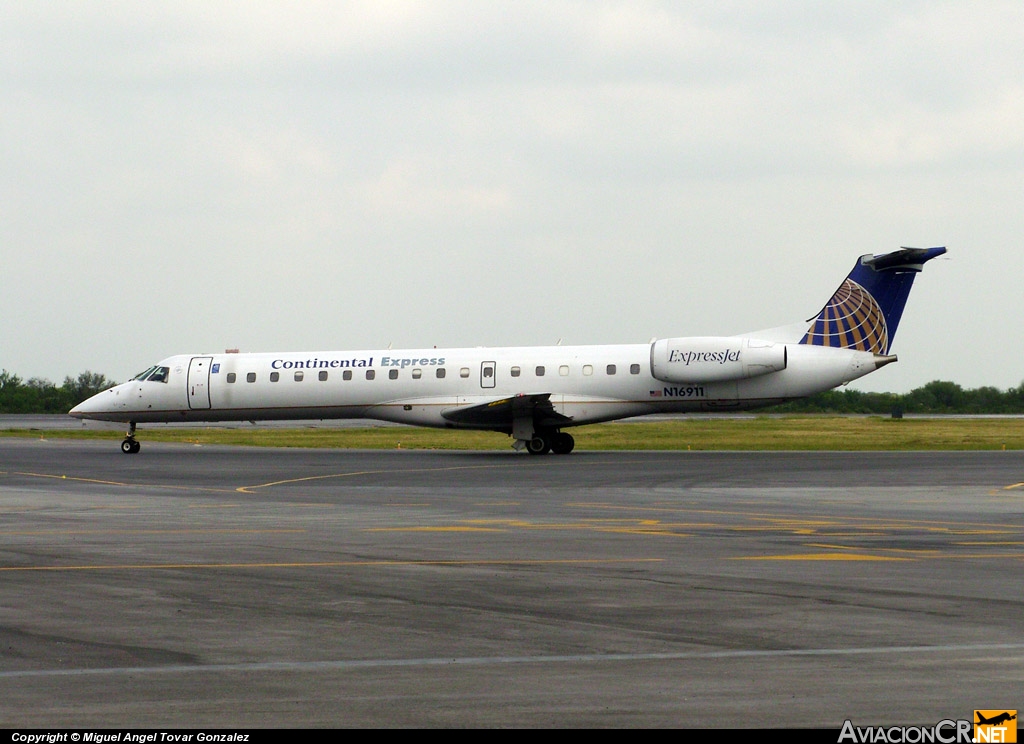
(562, 443)
(538, 445)
(129, 446)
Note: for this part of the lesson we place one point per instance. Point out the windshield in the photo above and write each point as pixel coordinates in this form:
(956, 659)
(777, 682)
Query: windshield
(144, 375)
(155, 373)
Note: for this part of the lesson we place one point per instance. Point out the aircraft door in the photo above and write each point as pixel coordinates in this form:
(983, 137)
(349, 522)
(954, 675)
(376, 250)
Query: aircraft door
(199, 382)
(487, 373)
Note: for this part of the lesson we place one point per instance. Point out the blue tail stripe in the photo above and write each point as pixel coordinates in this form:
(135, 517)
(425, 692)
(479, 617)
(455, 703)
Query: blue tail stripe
(866, 309)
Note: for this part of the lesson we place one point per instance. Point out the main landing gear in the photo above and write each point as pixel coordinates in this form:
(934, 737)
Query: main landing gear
(130, 446)
(557, 442)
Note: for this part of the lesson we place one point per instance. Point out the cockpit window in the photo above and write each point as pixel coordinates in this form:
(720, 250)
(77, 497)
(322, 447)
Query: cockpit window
(154, 374)
(144, 375)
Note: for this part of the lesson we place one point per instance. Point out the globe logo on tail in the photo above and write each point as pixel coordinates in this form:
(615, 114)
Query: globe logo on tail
(852, 319)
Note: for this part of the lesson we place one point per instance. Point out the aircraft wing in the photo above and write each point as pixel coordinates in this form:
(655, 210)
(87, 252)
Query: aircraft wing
(500, 413)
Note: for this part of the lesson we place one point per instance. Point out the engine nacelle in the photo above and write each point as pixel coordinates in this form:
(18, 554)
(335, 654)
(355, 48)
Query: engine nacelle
(715, 358)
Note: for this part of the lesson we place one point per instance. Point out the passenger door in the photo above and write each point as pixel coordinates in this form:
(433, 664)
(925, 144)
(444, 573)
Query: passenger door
(199, 383)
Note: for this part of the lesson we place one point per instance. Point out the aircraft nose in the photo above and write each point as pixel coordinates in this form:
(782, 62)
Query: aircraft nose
(84, 408)
(90, 406)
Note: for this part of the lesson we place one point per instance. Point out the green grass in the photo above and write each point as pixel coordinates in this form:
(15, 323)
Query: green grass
(761, 433)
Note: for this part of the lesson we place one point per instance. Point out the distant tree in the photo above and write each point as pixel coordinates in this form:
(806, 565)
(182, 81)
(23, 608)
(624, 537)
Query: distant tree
(987, 399)
(39, 395)
(938, 396)
(85, 386)
(43, 396)
(948, 396)
(1015, 399)
(8, 381)
(10, 391)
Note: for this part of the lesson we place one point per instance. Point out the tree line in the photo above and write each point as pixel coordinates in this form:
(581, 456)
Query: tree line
(38, 395)
(938, 396)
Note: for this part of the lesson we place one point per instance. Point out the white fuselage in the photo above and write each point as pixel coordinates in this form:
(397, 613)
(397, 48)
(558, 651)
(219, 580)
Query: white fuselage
(586, 384)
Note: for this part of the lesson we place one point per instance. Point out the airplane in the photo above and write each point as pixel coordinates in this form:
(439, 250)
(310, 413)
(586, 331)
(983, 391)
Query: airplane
(533, 394)
(995, 720)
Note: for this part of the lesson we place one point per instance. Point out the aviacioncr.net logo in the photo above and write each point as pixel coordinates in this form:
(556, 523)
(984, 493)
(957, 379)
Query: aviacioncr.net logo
(998, 726)
(946, 731)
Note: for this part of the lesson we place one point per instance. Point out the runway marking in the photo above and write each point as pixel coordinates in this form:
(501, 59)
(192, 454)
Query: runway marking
(831, 529)
(642, 531)
(450, 528)
(338, 564)
(250, 489)
(350, 474)
(991, 542)
(828, 546)
(925, 555)
(72, 478)
(838, 521)
(346, 665)
(154, 532)
(121, 484)
(640, 526)
(820, 557)
(592, 523)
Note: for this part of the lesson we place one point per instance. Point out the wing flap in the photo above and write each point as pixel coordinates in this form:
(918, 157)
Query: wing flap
(501, 413)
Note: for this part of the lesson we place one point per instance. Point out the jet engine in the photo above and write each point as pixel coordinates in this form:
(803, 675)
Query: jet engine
(715, 358)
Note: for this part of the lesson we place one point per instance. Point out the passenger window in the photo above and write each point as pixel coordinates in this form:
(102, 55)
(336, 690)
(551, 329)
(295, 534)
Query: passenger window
(515, 372)
(540, 370)
(298, 375)
(370, 374)
(588, 369)
(275, 376)
(634, 369)
(610, 369)
(440, 373)
(231, 377)
(393, 374)
(346, 375)
(564, 370)
(251, 377)
(323, 375)
(417, 374)
(464, 372)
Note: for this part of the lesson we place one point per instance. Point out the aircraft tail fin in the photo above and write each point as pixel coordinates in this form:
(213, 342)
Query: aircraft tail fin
(865, 311)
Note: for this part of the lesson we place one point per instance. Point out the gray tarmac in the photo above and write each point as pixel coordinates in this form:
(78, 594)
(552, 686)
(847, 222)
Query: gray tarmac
(229, 587)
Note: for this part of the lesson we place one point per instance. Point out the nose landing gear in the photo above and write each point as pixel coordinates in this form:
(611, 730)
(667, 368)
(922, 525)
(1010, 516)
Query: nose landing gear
(130, 446)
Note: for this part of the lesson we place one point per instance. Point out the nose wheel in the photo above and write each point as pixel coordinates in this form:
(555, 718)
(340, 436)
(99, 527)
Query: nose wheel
(130, 446)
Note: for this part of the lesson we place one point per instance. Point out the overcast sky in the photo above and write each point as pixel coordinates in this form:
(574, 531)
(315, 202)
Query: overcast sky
(189, 177)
